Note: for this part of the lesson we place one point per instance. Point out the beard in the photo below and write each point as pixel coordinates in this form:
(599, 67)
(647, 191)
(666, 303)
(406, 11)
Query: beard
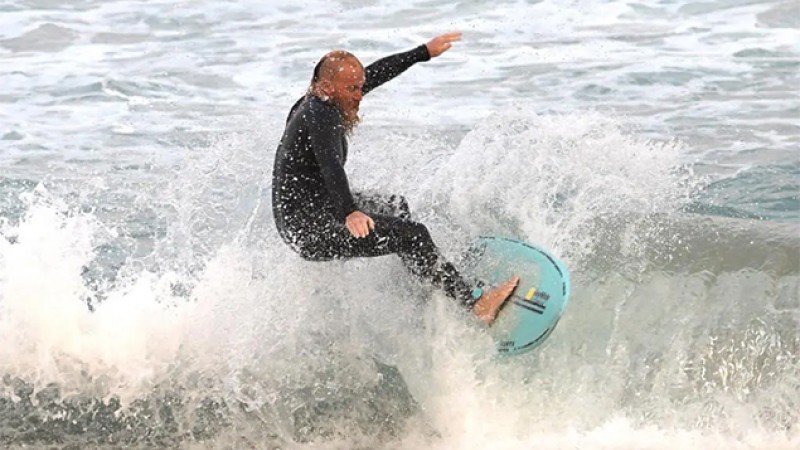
(351, 119)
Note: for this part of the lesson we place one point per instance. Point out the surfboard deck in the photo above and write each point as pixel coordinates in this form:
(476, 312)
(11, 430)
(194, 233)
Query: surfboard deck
(533, 311)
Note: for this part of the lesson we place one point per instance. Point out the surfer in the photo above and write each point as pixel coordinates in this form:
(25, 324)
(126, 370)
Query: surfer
(315, 211)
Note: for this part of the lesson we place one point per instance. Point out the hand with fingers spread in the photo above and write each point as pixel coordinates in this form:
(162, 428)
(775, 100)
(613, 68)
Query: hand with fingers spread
(359, 224)
(441, 44)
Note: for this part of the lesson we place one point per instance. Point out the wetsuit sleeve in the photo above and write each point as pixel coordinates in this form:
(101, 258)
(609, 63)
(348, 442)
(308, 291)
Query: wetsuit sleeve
(389, 67)
(326, 144)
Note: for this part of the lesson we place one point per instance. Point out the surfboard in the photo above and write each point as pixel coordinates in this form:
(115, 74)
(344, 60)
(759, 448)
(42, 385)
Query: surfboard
(533, 311)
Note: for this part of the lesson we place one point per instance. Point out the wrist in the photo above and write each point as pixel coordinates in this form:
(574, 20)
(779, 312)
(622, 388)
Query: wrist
(424, 52)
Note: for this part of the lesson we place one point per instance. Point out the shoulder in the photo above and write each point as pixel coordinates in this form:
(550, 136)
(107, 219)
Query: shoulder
(321, 109)
(312, 109)
(322, 115)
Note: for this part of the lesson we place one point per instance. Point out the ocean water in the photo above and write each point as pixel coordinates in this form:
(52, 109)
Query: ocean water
(146, 300)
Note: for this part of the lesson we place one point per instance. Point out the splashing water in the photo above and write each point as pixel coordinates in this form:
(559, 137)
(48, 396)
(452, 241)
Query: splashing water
(221, 337)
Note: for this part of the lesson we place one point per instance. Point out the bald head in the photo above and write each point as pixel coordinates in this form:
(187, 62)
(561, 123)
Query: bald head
(333, 63)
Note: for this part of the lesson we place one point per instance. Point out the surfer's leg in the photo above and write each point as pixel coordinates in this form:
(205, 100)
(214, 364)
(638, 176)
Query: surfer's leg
(422, 258)
(413, 243)
(387, 205)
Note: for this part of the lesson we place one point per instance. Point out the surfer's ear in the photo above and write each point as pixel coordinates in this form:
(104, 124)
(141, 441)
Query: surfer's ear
(322, 89)
(325, 87)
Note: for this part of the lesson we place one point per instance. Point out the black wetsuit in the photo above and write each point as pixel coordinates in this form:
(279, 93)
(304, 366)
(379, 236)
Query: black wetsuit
(311, 196)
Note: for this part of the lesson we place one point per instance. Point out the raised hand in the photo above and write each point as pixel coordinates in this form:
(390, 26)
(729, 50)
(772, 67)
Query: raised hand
(441, 44)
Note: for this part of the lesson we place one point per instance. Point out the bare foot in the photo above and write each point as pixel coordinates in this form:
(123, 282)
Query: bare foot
(489, 304)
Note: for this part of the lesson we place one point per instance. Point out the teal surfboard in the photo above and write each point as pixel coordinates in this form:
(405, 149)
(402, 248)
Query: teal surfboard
(536, 306)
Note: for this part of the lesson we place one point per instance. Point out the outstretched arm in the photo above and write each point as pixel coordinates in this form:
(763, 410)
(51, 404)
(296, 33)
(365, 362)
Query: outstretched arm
(389, 67)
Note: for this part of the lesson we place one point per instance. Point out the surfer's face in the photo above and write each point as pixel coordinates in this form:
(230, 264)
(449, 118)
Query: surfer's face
(346, 90)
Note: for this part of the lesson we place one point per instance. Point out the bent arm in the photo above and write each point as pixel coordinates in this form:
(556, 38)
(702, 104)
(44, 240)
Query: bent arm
(327, 147)
(389, 67)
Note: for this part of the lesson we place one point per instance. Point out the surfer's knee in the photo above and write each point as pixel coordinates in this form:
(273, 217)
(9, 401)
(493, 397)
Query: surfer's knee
(404, 212)
(417, 234)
